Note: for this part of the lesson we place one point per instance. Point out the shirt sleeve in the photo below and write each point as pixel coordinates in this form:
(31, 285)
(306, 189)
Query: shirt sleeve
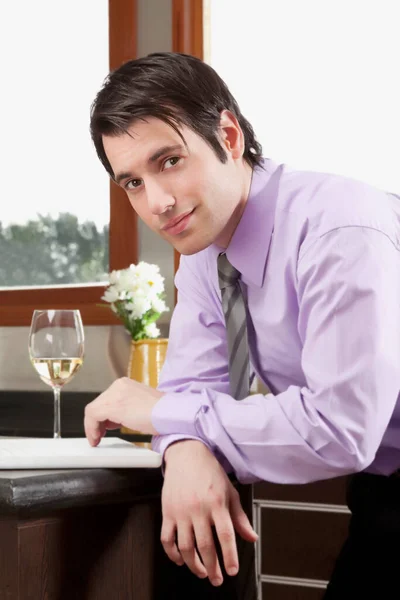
(348, 286)
(196, 357)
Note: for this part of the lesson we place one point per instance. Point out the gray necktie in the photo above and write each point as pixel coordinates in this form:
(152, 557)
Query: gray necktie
(236, 328)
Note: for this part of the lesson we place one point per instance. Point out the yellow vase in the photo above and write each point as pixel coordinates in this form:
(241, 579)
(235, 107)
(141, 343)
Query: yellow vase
(145, 362)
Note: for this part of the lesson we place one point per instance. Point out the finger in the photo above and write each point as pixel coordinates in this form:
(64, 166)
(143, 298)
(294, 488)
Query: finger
(93, 430)
(97, 420)
(226, 536)
(92, 424)
(206, 548)
(187, 549)
(108, 425)
(240, 520)
(168, 531)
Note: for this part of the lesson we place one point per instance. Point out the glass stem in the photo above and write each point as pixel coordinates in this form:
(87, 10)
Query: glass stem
(57, 423)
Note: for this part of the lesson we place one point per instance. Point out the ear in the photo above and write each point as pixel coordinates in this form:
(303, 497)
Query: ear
(231, 134)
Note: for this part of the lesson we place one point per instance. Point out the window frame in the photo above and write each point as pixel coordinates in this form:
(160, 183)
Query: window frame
(17, 304)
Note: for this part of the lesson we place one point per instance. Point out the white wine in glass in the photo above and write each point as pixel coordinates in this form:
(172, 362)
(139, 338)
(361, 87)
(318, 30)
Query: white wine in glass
(56, 350)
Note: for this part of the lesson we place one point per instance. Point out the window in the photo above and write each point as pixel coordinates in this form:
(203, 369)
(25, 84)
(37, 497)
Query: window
(60, 208)
(51, 231)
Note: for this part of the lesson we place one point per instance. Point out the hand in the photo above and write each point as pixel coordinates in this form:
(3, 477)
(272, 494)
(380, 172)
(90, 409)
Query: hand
(125, 403)
(196, 495)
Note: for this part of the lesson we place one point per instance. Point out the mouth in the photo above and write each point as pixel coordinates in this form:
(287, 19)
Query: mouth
(178, 224)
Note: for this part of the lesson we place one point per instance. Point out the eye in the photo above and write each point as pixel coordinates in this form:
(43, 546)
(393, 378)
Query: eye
(133, 184)
(171, 162)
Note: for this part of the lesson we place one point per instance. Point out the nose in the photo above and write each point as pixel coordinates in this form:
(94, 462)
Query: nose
(158, 199)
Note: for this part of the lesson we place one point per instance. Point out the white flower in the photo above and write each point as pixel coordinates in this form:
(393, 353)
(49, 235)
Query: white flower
(110, 295)
(138, 307)
(158, 305)
(114, 276)
(151, 330)
(136, 290)
(126, 281)
(144, 269)
(149, 278)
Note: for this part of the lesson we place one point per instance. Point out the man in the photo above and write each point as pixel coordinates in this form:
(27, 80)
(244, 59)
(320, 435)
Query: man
(309, 264)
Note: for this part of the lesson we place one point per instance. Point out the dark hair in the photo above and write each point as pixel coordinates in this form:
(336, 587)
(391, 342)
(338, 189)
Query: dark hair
(178, 89)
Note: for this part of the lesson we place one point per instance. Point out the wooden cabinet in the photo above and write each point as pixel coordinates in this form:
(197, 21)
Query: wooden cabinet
(100, 553)
(302, 529)
(94, 534)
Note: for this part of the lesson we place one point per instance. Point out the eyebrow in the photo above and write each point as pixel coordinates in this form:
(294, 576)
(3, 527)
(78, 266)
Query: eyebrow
(152, 159)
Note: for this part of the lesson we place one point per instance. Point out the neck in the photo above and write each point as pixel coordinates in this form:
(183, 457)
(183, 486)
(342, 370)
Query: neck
(226, 236)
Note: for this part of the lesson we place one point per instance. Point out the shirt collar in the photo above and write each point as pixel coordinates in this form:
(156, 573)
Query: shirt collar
(249, 246)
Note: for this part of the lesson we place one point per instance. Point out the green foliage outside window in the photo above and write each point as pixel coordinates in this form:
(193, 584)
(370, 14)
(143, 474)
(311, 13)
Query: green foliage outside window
(50, 251)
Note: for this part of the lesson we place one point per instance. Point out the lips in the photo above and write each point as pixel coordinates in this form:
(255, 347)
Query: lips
(179, 224)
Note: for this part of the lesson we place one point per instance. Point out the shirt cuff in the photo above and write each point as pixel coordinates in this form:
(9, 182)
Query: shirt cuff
(176, 413)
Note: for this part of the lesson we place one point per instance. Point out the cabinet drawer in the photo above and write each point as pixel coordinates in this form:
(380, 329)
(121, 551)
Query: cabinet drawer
(301, 543)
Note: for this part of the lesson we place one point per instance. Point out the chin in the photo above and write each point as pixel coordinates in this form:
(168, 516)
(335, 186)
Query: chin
(188, 247)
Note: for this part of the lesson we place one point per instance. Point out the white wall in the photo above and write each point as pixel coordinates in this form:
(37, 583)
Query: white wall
(319, 81)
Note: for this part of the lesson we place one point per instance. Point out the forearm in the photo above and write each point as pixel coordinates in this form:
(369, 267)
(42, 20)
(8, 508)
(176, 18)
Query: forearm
(283, 439)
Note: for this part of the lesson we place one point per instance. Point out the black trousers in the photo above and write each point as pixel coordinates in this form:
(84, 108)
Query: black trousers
(369, 563)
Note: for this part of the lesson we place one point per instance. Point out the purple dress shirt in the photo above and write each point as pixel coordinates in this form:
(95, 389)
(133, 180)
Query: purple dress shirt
(320, 261)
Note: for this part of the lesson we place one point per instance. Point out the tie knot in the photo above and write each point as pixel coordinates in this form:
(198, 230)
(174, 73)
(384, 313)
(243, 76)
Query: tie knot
(227, 274)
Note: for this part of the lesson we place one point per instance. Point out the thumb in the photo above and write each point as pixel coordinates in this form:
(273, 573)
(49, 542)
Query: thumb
(240, 520)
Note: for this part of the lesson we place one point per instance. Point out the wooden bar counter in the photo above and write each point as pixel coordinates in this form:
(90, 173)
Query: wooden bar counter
(94, 534)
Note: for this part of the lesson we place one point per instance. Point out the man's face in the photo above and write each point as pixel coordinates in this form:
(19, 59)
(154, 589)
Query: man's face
(183, 193)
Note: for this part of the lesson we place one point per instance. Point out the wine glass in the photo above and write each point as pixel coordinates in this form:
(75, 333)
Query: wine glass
(56, 343)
